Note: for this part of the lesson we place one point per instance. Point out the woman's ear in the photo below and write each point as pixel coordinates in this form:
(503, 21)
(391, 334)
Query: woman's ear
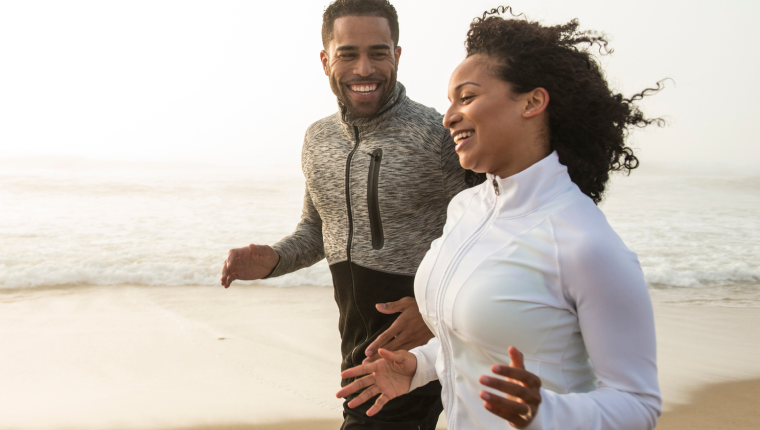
(536, 102)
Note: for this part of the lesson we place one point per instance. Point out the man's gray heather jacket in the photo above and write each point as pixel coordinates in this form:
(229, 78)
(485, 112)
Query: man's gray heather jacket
(377, 190)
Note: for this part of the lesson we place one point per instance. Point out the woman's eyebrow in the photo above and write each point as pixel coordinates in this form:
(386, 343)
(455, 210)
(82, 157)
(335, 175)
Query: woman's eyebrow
(466, 83)
(463, 84)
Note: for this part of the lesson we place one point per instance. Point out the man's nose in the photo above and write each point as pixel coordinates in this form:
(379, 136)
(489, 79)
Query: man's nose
(364, 66)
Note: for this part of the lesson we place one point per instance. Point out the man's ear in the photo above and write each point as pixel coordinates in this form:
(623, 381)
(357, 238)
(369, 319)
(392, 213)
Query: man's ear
(325, 62)
(536, 102)
(398, 55)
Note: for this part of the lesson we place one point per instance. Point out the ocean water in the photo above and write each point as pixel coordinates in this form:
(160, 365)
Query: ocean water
(66, 223)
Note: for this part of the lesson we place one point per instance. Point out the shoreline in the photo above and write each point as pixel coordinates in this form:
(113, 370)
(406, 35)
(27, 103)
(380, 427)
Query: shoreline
(268, 358)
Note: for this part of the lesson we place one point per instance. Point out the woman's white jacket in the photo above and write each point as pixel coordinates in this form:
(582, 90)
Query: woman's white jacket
(530, 261)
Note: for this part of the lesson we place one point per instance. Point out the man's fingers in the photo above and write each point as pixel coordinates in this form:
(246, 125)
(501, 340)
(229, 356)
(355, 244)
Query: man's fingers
(398, 343)
(409, 313)
(228, 268)
(407, 339)
(383, 339)
(506, 387)
(224, 272)
(384, 353)
(397, 306)
(231, 277)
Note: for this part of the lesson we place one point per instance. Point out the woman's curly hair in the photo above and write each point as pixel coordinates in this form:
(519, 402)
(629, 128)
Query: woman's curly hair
(588, 122)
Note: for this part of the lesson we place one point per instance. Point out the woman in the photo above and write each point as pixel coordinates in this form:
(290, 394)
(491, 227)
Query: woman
(527, 263)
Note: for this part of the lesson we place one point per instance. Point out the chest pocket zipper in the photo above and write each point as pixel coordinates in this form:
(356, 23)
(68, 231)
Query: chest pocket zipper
(373, 205)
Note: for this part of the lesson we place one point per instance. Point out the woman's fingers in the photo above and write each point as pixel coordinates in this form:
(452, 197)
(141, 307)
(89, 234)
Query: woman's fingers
(356, 386)
(363, 397)
(522, 391)
(514, 419)
(359, 370)
(528, 379)
(379, 403)
(389, 355)
(516, 358)
(503, 403)
(512, 389)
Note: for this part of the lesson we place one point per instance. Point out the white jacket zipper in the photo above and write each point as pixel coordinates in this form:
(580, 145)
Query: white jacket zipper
(443, 286)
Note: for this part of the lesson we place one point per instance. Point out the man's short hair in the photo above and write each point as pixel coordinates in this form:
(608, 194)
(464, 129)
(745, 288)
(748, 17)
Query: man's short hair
(341, 8)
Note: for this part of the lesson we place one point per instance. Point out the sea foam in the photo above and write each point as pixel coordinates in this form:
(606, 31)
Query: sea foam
(159, 226)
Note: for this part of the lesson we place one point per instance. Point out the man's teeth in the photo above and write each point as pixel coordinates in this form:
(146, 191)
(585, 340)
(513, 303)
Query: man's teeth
(364, 88)
(462, 136)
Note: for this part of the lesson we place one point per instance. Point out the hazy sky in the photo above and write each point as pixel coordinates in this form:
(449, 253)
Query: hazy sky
(238, 82)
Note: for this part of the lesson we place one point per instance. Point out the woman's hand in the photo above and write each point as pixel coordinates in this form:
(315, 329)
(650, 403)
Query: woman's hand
(522, 389)
(391, 376)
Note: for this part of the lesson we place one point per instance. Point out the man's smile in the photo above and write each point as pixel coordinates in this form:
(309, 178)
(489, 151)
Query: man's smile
(364, 91)
(363, 88)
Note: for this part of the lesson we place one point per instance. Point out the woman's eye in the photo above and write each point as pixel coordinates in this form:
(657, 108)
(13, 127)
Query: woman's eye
(465, 98)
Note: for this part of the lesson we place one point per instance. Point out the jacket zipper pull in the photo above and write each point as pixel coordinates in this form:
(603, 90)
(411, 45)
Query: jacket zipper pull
(495, 186)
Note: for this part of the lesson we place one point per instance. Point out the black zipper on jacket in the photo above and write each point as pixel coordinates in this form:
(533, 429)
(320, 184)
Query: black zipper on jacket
(351, 234)
(373, 206)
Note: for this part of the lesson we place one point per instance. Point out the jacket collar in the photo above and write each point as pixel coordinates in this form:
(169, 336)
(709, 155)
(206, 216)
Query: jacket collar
(530, 189)
(390, 108)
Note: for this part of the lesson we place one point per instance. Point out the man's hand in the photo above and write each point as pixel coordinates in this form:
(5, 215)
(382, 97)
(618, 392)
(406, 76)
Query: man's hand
(249, 263)
(390, 377)
(407, 332)
(523, 391)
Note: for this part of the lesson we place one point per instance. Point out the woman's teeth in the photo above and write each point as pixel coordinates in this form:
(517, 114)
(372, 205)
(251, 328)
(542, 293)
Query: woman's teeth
(462, 136)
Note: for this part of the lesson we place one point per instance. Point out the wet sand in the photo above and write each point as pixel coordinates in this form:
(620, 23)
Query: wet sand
(196, 358)
(731, 405)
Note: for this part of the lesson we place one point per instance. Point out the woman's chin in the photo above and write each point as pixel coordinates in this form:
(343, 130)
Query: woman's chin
(469, 164)
(465, 161)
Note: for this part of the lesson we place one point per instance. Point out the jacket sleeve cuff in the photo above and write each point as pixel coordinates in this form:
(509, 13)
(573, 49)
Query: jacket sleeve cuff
(274, 273)
(426, 358)
(538, 420)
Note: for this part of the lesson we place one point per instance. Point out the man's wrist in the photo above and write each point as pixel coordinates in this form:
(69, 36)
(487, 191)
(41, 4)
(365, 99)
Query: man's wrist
(276, 265)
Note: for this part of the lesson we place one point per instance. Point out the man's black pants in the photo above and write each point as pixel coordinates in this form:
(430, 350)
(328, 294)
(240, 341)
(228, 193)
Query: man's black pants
(411, 411)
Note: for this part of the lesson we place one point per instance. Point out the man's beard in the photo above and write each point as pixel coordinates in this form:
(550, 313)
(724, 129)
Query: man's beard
(363, 110)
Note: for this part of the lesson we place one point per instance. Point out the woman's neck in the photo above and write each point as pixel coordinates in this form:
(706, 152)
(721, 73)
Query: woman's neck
(520, 160)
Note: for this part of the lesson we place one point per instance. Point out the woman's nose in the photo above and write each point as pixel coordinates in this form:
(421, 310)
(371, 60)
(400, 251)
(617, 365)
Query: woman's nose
(451, 117)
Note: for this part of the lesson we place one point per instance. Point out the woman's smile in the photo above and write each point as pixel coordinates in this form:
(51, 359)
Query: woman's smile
(462, 137)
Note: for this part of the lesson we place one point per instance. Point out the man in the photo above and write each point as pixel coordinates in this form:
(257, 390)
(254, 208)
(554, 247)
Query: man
(379, 176)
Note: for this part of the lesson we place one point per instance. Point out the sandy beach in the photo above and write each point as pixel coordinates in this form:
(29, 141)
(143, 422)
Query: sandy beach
(252, 357)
